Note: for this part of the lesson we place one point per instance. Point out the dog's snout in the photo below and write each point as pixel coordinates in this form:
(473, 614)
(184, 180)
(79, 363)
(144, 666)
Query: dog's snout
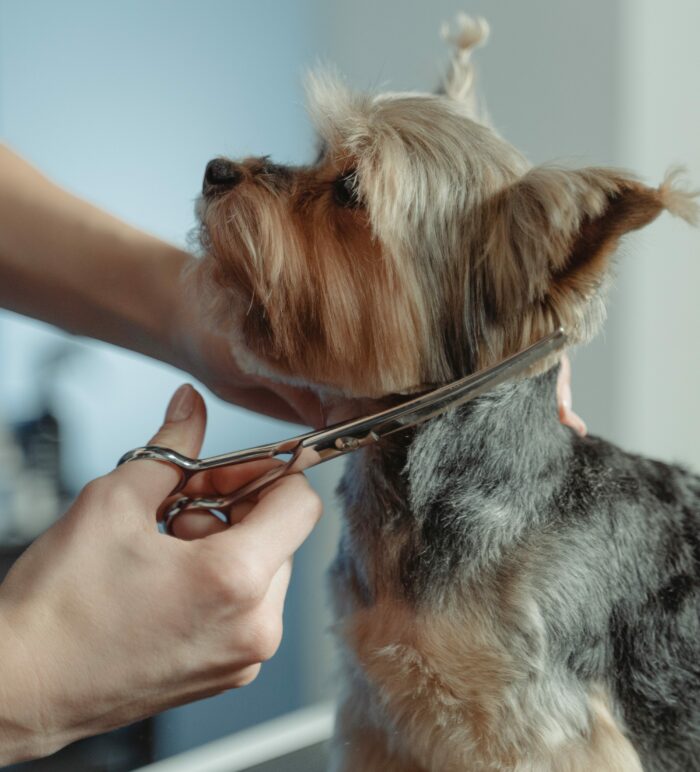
(221, 173)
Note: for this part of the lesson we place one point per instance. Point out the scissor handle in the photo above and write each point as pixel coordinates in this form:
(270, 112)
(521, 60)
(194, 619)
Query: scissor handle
(185, 465)
(188, 467)
(218, 506)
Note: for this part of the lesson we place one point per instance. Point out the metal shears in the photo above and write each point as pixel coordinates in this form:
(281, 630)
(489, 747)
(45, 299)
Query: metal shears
(307, 450)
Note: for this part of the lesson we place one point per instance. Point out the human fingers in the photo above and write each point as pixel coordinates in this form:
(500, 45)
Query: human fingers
(200, 523)
(564, 383)
(268, 625)
(571, 419)
(564, 399)
(277, 591)
(183, 431)
(284, 516)
(196, 524)
(227, 479)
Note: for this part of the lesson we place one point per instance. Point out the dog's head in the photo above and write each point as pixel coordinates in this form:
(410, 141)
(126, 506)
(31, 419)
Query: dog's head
(418, 247)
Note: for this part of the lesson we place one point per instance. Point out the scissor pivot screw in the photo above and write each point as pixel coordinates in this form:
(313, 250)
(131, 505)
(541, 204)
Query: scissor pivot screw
(347, 443)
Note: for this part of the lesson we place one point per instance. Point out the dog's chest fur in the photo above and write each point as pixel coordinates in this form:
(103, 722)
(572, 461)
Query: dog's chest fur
(513, 597)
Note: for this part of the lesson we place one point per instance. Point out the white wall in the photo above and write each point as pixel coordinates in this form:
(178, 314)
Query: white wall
(660, 357)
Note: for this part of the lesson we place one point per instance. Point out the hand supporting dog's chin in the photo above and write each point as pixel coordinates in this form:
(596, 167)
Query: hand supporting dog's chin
(208, 357)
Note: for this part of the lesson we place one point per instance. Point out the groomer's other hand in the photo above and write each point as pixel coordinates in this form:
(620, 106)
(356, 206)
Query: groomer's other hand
(566, 413)
(212, 362)
(107, 621)
(207, 355)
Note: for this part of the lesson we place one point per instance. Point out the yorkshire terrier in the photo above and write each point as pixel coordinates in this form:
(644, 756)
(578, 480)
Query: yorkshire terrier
(509, 595)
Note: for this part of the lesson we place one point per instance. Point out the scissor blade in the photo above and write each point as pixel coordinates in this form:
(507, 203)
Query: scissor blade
(355, 434)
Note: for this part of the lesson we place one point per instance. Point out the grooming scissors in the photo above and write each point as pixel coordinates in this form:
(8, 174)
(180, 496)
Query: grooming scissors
(306, 450)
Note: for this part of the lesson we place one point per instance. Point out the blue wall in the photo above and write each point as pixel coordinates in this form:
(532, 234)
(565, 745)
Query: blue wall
(123, 103)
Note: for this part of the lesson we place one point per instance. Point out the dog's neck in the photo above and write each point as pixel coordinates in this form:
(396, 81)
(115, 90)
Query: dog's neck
(337, 409)
(463, 487)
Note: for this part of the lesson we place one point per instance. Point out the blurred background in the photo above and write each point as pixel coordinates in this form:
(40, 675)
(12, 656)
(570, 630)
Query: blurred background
(124, 102)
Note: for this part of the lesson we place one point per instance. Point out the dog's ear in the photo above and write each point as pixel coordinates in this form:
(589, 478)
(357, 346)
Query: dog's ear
(551, 236)
(468, 34)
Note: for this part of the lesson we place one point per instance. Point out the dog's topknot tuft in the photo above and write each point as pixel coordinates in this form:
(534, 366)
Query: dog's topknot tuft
(677, 199)
(470, 33)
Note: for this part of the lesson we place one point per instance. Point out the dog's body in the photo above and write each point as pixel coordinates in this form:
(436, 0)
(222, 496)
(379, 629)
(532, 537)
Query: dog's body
(512, 596)
(509, 596)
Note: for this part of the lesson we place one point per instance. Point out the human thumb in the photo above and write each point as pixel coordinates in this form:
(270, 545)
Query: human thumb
(183, 431)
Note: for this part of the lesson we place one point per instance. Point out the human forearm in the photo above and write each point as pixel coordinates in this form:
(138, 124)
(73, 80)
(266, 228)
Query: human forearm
(68, 263)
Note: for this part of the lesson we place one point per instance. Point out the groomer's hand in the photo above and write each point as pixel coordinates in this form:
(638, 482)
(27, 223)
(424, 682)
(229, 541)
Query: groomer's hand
(208, 357)
(106, 621)
(566, 413)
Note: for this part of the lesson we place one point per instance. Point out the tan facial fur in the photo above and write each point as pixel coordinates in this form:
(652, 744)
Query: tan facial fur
(317, 294)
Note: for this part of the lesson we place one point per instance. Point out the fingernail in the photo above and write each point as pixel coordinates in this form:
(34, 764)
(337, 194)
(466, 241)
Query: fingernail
(181, 404)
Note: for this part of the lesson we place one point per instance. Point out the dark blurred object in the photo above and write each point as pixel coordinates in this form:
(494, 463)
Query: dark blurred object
(32, 494)
(120, 751)
(311, 759)
(39, 441)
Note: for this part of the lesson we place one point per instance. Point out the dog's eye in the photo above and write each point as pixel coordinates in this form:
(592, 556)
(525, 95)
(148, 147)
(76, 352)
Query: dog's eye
(345, 191)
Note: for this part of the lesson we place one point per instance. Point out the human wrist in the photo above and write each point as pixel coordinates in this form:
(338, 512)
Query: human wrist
(184, 338)
(24, 708)
(154, 312)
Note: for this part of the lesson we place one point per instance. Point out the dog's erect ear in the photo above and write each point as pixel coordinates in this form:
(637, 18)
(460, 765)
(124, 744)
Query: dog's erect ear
(551, 236)
(338, 113)
(468, 34)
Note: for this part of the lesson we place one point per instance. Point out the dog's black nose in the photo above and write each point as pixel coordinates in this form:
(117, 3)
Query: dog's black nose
(221, 173)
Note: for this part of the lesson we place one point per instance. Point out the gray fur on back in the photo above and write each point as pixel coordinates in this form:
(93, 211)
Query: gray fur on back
(613, 538)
